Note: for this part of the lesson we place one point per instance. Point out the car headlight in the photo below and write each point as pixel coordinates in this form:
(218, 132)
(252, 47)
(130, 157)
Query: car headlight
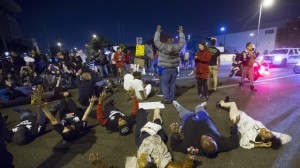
(277, 58)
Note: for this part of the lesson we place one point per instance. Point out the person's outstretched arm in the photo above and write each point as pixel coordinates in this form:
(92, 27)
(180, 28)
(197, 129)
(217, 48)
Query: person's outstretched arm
(48, 114)
(135, 107)
(100, 117)
(88, 110)
(157, 41)
(176, 141)
(181, 39)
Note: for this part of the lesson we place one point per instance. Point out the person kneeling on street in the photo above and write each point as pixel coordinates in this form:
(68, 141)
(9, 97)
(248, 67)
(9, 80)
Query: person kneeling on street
(113, 119)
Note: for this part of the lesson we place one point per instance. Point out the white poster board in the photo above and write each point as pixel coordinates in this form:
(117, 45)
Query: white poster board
(151, 105)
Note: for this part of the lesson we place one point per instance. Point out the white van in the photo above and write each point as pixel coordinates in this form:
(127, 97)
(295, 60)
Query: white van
(282, 56)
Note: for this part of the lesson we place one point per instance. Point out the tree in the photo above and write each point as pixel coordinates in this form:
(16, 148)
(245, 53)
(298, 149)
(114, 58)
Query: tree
(289, 35)
(97, 43)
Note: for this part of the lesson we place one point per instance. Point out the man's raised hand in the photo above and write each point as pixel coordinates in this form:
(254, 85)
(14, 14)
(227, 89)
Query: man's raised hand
(158, 28)
(131, 92)
(92, 99)
(102, 96)
(175, 128)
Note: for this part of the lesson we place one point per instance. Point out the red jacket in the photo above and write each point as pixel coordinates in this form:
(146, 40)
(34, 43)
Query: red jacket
(120, 59)
(103, 121)
(202, 67)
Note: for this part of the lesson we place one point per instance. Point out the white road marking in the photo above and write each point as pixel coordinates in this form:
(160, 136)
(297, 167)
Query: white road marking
(260, 82)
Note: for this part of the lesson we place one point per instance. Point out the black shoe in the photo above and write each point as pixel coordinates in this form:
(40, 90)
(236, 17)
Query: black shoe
(166, 101)
(252, 88)
(226, 99)
(241, 85)
(218, 105)
(204, 98)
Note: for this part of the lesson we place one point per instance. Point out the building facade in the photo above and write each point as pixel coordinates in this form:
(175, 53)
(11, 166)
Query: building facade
(232, 42)
(9, 27)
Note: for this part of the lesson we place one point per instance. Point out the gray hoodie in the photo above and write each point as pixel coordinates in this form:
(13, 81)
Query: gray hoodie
(169, 53)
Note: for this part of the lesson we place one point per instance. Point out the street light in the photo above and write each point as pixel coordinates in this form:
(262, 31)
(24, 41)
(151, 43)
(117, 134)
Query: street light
(265, 3)
(59, 45)
(94, 36)
(223, 29)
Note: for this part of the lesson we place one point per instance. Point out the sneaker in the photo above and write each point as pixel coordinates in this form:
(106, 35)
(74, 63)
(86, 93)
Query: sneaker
(252, 88)
(240, 85)
(160, 95)
(203, 104)
(200, 106)
(166, 101)
(157, 115)
(204, 98)
(176, 104)
(199, 96)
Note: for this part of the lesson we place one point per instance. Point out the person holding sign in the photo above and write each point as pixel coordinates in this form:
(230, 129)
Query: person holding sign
(169, 61)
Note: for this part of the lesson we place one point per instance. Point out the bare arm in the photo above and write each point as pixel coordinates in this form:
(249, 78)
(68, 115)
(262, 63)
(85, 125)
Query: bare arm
(157, 41)
(88, 110)
(181, 39)
(49, 115)
(263, 145)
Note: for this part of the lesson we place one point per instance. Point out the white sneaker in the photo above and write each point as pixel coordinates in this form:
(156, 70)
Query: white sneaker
(160, 95)
(203, 104)
(200, 106)
(176, 104)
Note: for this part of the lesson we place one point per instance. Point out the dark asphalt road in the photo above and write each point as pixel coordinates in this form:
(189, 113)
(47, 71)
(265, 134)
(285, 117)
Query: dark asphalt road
(276, 105)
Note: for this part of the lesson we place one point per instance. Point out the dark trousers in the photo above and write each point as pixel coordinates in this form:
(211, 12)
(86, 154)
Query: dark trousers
(141, 120)
(68, 106)
(114, 69)
(169, 83)
(6, 159)
(202, 87)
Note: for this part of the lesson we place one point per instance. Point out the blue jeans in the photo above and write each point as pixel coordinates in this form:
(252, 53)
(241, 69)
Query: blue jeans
(169, 83)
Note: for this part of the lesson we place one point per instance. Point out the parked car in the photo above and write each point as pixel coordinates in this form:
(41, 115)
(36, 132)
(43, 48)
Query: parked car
(282, 56)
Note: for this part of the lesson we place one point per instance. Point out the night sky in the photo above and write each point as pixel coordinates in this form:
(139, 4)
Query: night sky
(72, 22)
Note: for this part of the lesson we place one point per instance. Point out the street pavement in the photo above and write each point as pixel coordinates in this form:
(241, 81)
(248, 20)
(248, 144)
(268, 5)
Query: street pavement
(276, 104)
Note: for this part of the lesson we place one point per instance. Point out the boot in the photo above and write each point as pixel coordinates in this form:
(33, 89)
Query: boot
(157, 115)
(252, 88)
(241, 85)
